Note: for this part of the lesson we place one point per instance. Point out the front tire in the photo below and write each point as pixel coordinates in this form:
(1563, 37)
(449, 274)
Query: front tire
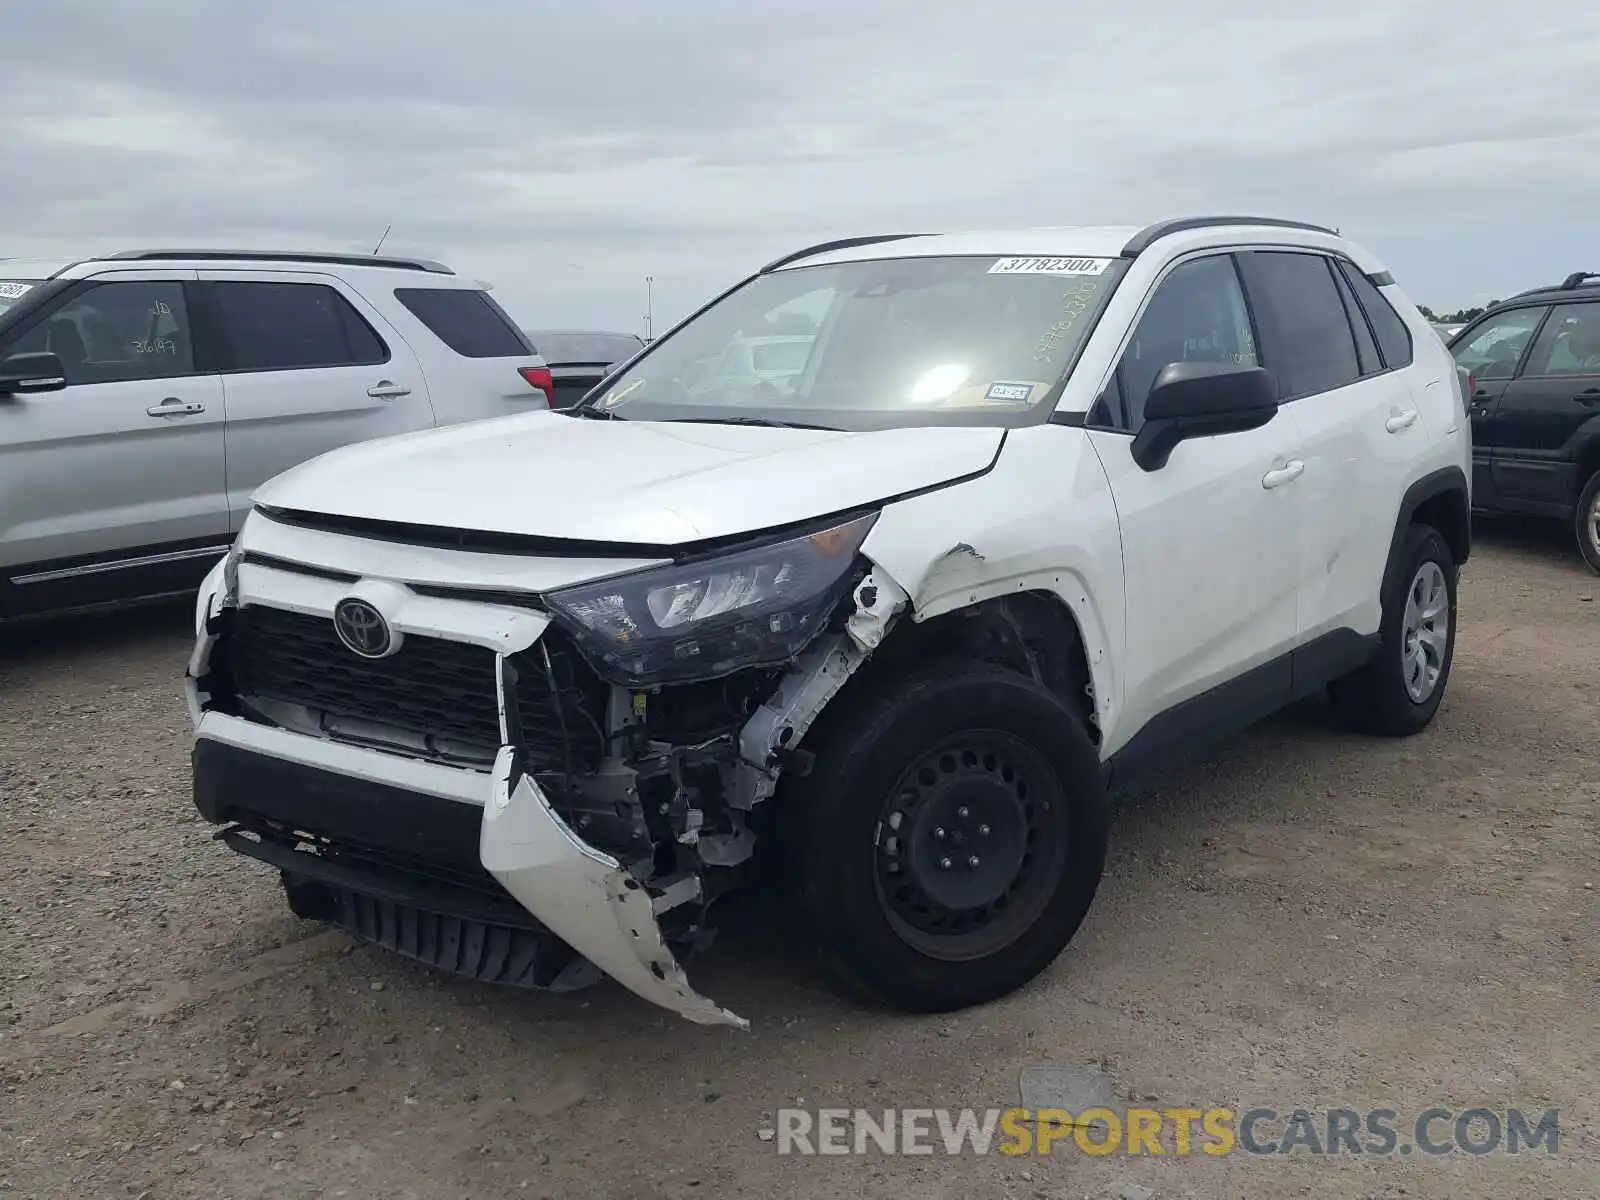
(1587, 523)
(1397, 693)
(951, 836)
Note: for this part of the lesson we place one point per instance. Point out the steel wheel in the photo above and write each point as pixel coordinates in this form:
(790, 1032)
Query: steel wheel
(966, 855)
(1425, 631)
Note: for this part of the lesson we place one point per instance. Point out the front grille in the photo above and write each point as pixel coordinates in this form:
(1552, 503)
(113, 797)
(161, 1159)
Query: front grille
(435, 694)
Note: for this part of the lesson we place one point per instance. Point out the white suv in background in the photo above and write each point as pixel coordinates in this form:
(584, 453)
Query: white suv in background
(144, 395)
(1038, 510)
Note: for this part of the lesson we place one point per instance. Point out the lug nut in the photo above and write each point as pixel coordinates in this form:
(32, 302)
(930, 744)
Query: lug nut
(939, 833)
(944, 864)
(961, 812)
(973, 861)
(983, 831)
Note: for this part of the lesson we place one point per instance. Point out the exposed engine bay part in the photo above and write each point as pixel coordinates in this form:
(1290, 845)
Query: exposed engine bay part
(879, 600)
(769, 741)
(624, 861)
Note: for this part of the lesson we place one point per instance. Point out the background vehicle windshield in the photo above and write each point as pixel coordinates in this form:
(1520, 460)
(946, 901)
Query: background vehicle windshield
(864, 345)
(580, 346)
(13, 290)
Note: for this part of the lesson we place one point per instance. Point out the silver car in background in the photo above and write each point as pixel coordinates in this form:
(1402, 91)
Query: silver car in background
(145, 395)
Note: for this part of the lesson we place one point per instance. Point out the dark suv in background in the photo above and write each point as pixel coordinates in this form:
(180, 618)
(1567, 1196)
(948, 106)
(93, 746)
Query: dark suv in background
(1535, 403)
(580, 358)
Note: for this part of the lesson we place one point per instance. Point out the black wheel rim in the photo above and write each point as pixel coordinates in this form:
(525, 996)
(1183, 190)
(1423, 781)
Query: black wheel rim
(969, 845)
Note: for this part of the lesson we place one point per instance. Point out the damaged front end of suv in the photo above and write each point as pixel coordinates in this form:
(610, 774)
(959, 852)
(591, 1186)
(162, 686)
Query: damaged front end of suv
(525, 787)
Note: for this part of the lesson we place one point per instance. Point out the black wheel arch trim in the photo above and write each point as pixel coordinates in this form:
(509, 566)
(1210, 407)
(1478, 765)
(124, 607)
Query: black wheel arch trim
(1444, 482)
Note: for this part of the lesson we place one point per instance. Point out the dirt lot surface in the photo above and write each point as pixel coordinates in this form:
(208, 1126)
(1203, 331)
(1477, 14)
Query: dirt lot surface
(1308, 919)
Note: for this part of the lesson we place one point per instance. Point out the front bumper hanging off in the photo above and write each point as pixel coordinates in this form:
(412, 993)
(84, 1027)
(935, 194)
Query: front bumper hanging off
(470, 870)
(410, 812)
(584, 896)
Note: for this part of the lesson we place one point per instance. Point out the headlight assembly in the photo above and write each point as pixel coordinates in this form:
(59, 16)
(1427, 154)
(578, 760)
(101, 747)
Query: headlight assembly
(702, 620)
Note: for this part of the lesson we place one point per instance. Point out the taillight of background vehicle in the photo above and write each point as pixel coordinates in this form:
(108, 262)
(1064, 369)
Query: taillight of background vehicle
(1468, 384)
(541, 378)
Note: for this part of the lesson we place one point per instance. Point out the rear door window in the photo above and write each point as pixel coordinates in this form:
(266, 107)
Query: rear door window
(1316, 349)
(293, 326)
(1569, 344)
(467, 320)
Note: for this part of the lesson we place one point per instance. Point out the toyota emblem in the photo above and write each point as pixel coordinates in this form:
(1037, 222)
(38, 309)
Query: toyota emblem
(362, 629)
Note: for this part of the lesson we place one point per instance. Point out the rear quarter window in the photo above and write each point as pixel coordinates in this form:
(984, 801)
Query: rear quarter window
(467, 320)
(1394, 339)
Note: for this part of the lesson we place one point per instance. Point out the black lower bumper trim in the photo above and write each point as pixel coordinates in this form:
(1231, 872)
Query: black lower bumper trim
(476, 950)
(236, 785)
(390, 866)
(385, 887)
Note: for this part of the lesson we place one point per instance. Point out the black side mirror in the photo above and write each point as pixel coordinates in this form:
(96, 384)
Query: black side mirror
(1201, 399)
(28, 374)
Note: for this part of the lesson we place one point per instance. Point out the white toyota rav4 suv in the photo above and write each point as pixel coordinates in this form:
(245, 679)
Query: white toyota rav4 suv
(524, 699)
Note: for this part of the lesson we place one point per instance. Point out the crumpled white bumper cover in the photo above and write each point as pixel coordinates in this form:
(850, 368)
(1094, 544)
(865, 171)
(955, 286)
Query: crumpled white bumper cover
(584, 896)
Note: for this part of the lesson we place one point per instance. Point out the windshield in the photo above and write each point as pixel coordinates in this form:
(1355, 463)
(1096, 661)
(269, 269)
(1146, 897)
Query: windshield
(13, 290)
(871, 345)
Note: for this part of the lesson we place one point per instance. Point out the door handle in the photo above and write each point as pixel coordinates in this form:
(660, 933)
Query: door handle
(1401, 421)
(173, 407)
(387, 389)
(1588, 397)
(1287, 473)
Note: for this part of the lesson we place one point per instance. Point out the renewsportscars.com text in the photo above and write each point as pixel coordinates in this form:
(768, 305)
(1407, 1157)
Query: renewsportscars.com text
(1180, 1132)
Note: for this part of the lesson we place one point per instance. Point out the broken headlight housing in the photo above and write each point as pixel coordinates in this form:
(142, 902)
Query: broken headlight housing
(701, 620)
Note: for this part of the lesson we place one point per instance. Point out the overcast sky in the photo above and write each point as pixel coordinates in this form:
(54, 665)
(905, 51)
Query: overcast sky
(564, 151)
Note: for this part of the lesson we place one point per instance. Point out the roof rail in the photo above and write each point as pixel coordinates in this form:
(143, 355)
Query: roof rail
(1572, 282)
(316, 256)
(841, 244)
(1147, 236)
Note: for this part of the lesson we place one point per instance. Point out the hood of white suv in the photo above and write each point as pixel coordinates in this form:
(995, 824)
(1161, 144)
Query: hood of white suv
(655, 483)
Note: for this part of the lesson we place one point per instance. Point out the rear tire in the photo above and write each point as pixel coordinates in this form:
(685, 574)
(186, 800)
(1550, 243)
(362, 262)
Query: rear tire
(1587, 523)
(1399, 690)
(950, 838)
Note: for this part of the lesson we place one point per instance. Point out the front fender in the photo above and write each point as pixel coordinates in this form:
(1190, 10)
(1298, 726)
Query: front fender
(1043, 520)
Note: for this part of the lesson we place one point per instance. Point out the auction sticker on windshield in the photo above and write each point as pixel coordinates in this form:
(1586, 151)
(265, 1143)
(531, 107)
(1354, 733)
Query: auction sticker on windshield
(1050, 266)
(1009, 393)
(14, 291)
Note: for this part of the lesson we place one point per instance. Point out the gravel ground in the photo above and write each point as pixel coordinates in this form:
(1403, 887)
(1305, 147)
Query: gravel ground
(1307, 919)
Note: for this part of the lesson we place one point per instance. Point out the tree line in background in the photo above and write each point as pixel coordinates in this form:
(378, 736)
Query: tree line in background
(1456, 318)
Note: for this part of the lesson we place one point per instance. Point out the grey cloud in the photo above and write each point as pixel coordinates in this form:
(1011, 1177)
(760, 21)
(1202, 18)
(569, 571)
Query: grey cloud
(566, 150)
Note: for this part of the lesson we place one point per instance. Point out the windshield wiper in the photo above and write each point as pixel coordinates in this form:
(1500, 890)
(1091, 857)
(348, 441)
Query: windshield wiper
(769, 422)
(594, 414)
